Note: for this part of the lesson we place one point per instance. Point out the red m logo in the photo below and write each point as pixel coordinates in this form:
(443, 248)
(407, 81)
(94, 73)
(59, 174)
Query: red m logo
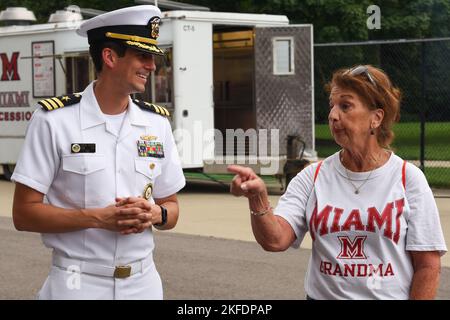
(9, 69)
(352, 249)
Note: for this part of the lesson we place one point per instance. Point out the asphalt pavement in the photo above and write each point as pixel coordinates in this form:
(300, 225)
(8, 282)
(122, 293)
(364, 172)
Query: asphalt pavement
(211, 254)
(192, 267)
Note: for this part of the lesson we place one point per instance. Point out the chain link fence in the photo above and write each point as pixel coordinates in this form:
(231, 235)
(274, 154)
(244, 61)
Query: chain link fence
(420, 69)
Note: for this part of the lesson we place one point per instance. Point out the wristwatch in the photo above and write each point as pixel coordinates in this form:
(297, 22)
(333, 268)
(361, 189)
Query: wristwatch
(163, 217)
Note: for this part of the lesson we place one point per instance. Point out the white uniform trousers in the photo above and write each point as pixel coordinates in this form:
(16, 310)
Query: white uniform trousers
(69, 284)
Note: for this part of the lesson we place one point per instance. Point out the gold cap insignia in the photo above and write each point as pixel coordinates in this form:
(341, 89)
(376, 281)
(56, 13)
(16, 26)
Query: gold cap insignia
(154, 25)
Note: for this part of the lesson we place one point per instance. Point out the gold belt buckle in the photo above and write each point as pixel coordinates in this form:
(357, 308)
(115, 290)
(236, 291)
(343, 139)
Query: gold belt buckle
(122, 272)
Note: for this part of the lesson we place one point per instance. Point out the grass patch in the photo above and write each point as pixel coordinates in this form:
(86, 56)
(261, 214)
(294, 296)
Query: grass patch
(438, 177)
(406, 143)
(407, 146)
(225, 178)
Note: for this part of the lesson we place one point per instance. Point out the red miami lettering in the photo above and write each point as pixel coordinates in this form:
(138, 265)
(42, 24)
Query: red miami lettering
(385, 218)
(376, 222)
(12, 99)
(316, 219)
(399, 204)
(354, 219)
(337, 216)
(9, 69)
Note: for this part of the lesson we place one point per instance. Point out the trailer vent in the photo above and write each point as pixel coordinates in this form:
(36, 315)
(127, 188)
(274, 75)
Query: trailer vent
(17, 16)
(70, 14)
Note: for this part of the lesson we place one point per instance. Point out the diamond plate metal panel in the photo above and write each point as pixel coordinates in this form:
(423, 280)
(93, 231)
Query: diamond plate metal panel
(284, 102)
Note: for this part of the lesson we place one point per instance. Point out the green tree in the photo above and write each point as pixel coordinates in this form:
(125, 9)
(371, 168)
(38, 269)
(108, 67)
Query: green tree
(345, 20)
(416, 68)
(43, 9)
(333, 20)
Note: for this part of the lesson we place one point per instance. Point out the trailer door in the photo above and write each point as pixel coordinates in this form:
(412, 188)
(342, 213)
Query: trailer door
(284, 82)
(233, 85)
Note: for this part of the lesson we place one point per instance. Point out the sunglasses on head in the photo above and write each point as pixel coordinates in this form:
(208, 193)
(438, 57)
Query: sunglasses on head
(361, 70)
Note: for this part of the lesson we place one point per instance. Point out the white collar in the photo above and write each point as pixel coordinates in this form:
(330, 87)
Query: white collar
(91, 114)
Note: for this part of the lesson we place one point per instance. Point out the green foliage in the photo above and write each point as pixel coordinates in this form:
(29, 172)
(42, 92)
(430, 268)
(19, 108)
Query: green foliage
(345, 20)
(407, 146)
(333, 20)
(406, 143)
(43, 9)
(418, 69)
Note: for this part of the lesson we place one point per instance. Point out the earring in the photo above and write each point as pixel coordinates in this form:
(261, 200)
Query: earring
(372, 132)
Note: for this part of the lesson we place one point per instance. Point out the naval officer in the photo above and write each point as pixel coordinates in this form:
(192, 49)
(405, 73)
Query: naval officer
(99, 170)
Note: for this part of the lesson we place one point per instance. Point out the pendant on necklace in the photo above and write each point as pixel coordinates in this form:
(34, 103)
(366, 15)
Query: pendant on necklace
(356, 192)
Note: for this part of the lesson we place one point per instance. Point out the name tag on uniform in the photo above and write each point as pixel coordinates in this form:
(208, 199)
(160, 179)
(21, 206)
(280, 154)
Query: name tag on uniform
(82, 147)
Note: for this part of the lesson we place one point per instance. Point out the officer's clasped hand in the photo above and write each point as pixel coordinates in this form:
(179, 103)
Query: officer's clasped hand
(135, 214)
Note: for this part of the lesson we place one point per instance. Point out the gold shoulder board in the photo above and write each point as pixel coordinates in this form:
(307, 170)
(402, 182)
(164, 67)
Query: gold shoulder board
(54, 103)
(147, 106)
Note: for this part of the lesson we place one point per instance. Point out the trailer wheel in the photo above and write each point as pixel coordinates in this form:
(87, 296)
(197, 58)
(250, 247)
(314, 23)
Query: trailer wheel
(8, 170)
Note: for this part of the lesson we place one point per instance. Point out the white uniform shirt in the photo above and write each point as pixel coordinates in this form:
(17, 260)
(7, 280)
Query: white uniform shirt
(360, 241)
(93, 180)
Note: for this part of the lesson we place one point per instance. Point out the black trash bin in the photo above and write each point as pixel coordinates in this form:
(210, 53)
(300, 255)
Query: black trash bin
(295, 162)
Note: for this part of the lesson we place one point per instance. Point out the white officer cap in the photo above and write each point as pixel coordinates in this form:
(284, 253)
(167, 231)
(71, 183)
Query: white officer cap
(136, 27)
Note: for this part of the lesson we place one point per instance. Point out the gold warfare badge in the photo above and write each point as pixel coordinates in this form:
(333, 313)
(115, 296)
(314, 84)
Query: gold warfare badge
(147, 194)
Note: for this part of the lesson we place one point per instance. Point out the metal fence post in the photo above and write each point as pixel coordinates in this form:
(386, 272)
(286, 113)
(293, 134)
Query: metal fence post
(417, 68)
(422, 109)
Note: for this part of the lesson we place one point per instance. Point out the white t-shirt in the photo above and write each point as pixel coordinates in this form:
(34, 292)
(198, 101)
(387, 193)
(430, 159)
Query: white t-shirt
(114, 122)
(360, 241)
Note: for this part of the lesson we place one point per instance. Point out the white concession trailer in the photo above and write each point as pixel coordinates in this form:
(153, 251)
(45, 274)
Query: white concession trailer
(239, 86)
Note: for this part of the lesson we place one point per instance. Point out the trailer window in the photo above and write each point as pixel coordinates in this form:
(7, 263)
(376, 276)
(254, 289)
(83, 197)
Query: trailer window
(163, 79)
(79, 73)
(283, 56)
(159, 86)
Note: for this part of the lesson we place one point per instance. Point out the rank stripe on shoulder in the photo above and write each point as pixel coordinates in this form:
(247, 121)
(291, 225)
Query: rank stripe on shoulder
(158, 109)
(60, 104)
(164, 110)
(161, 110)
(45, 105)
(54, 103)
(152, 108)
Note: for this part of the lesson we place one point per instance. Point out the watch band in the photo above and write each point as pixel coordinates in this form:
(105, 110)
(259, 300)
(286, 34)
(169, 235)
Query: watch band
(163, 217)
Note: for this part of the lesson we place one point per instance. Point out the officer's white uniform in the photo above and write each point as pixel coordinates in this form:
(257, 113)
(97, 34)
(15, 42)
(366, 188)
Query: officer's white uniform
(58, 159)
(93, 180)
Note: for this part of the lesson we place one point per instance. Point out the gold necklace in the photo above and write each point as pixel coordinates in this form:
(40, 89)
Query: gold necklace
(350, 180)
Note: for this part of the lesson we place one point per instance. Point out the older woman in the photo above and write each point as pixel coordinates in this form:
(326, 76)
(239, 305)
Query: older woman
(372, 217)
